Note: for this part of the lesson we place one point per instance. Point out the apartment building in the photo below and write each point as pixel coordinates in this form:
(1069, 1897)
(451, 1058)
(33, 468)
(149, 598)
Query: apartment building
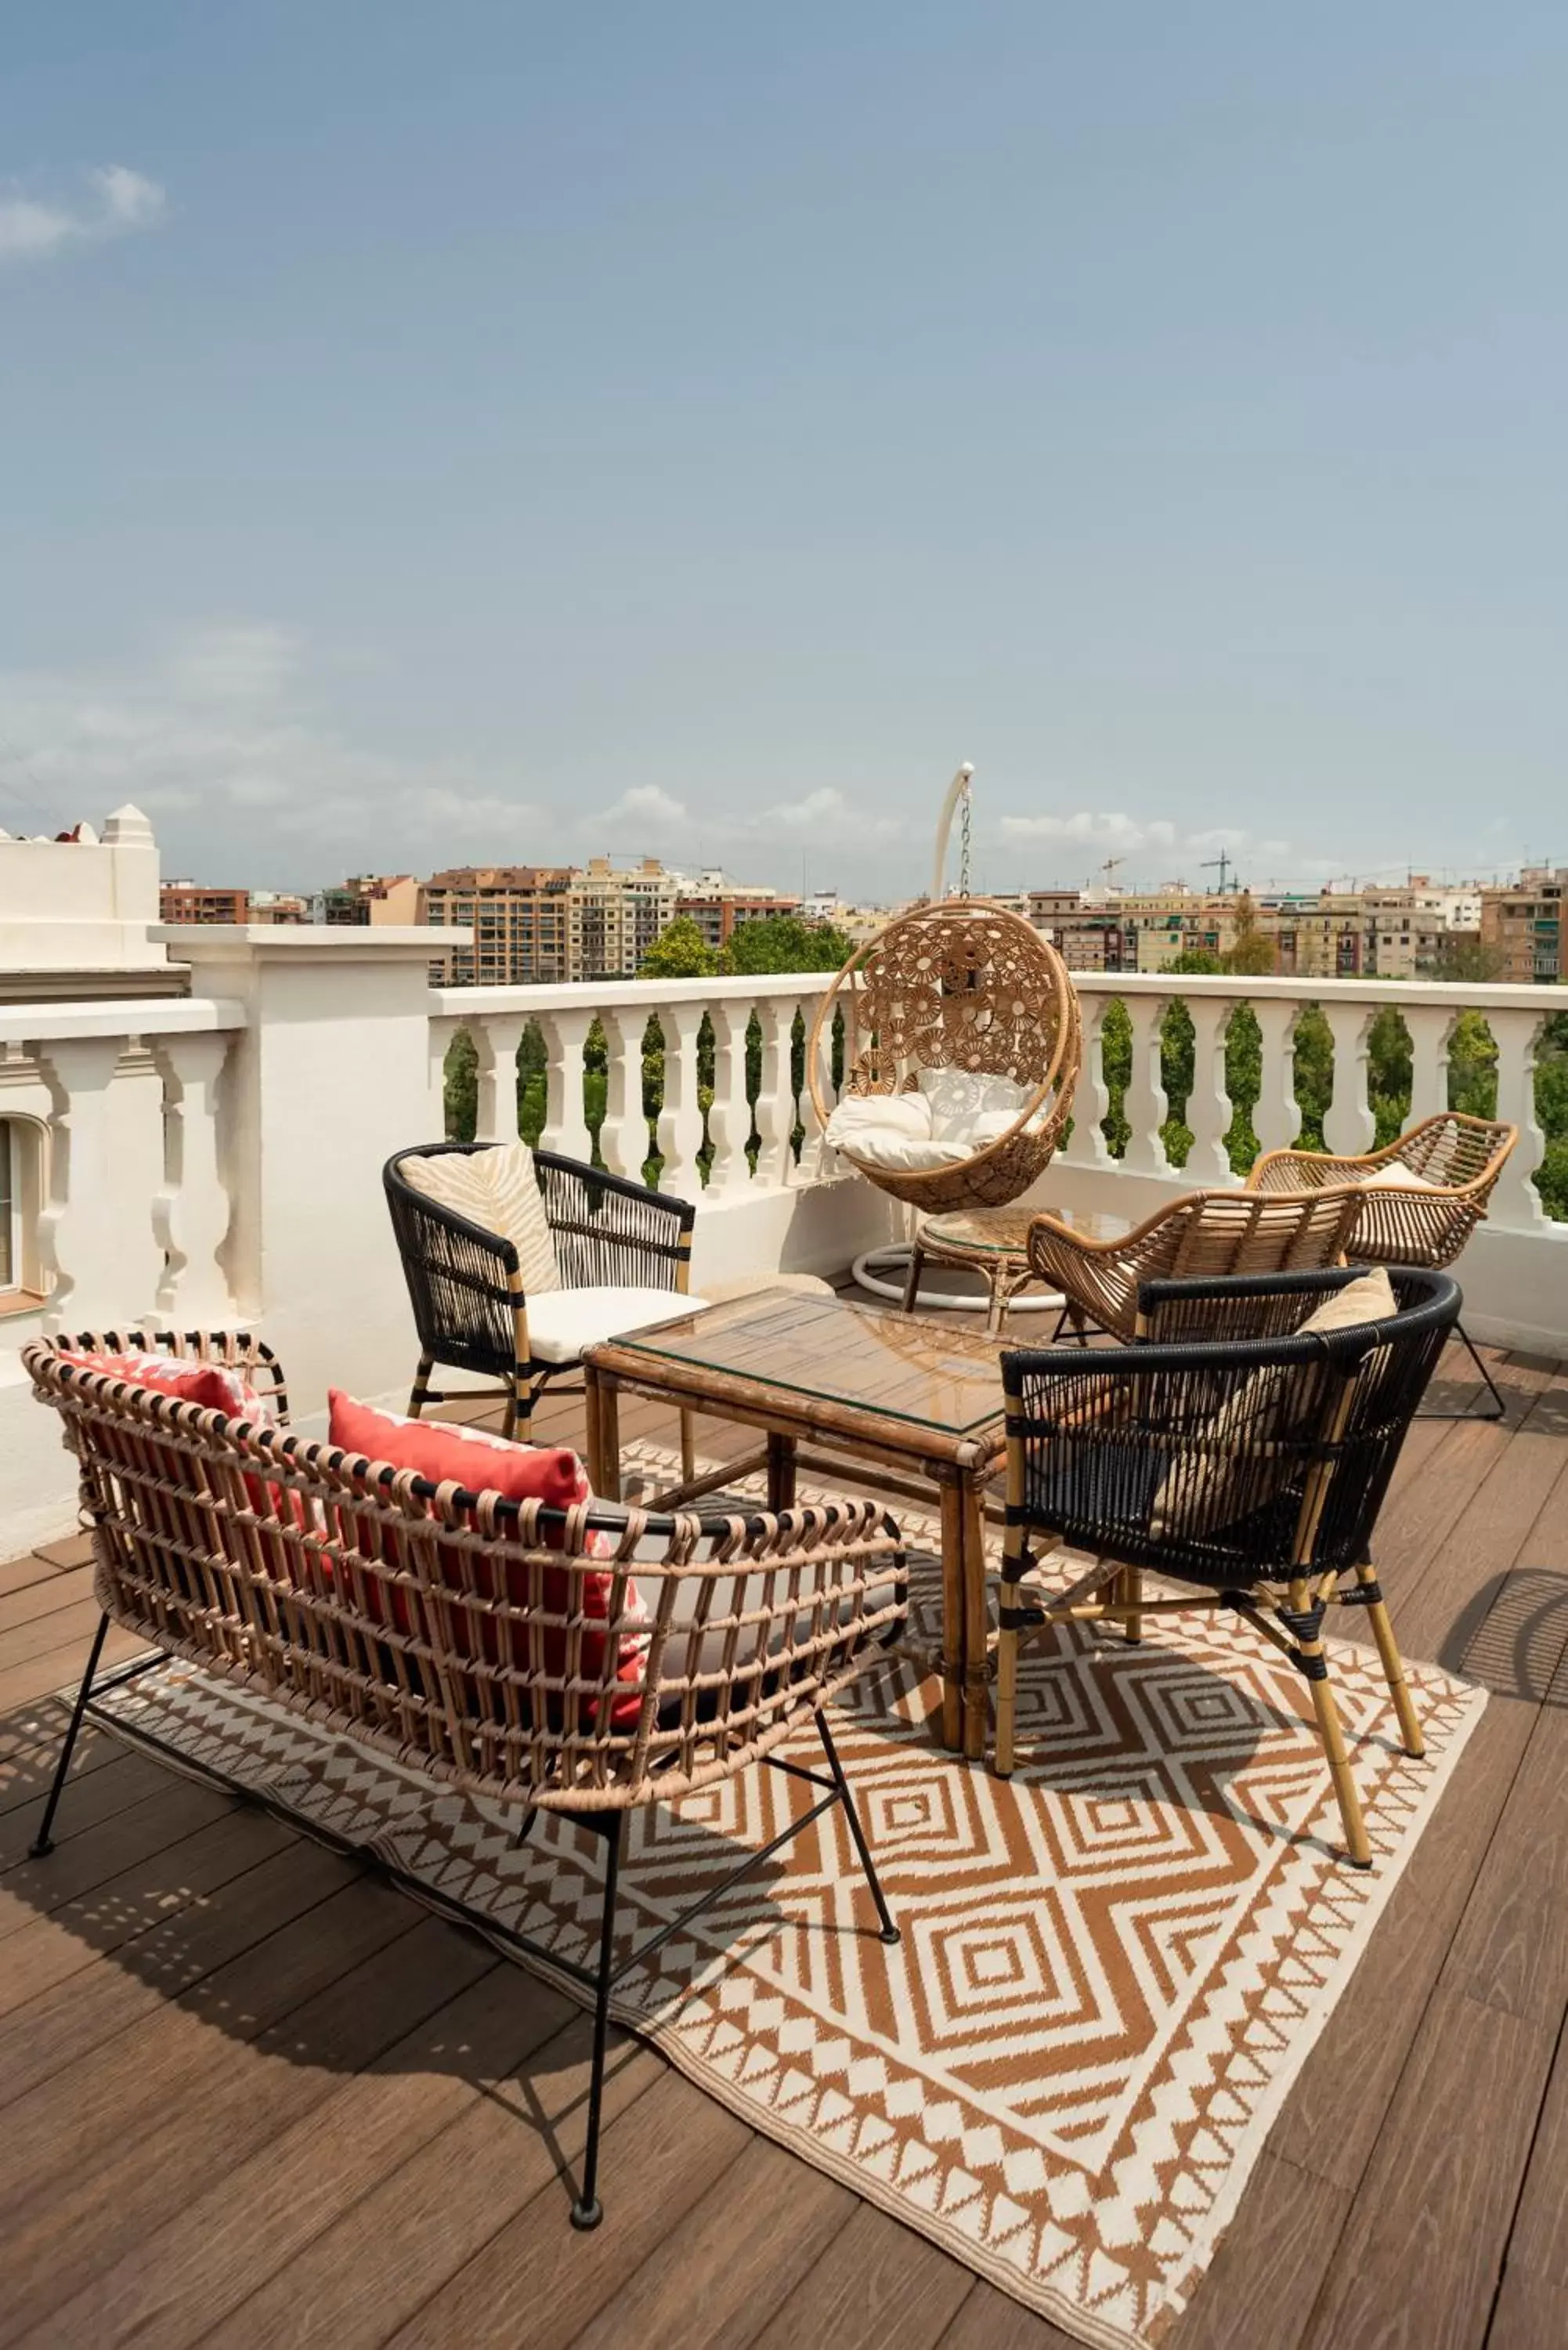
(372, 899)
(718, 905)
(520, 921)
(191, 901)
(1522, 926)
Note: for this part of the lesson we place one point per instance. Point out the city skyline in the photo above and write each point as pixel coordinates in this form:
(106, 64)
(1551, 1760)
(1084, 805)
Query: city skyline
(699, 431)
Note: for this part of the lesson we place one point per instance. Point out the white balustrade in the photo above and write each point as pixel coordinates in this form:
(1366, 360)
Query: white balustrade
(444, 1031)
(1146, 1107)
(495, 1041)
(566, 1036)
(1209, 1104)
(775, 1098)
(1349, 1127)
(1516, 1202)
(191, 1214)
(681, 1134)
(816, 1157)
(1277, 1117)
(1430, 1031)
(729, 1119)
(624, 1135)
(1086, 1145)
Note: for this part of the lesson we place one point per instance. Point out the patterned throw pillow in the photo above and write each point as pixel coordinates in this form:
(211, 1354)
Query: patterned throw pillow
(497, 1188)
(213, 1386)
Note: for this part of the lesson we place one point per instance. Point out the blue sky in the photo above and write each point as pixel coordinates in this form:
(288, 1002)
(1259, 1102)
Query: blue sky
(509, 432)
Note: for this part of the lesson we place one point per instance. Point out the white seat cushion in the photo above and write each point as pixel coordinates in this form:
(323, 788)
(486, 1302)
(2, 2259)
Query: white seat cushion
(857, 1114)
(498, 1189)
(904, 1154)
(561, 1325)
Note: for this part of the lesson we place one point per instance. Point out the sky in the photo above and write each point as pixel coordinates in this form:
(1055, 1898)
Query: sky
(510, 433)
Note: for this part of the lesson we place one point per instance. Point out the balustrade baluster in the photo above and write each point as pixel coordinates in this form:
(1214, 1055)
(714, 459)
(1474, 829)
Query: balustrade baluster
(1516, 1202)
(1349, 1129)
(496, 1037)
(1146, 1108)
(680, 1119)
(566, 1036)
(1086, 1145)
(730, 1119)
(1277, 1115)
(1208, 1105)
(444, 1034)
(624, 1136)
(1430, 1034)
(816, 1157)
(191, 1214)
(83, 1230)
(775, 1102)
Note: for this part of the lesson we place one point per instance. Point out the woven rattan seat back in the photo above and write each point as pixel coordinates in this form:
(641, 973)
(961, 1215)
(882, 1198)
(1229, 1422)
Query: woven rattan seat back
(1204, 1235)
(1227, 1447)
(1458, 1161)
(584, 1661)
(967, 986)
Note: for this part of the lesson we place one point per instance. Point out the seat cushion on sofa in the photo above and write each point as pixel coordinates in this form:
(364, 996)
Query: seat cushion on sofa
(900, 1153)
(1394, 1176)
(497, 1188)
(563, 1325)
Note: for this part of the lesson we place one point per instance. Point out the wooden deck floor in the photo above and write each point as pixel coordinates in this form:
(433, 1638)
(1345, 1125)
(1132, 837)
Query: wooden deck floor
(250, 2096)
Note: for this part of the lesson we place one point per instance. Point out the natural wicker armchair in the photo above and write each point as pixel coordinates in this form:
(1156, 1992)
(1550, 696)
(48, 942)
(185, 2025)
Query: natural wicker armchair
(617, 1255)
(1231, 1451)
(504, 1649)
(1207, 1233)
(1421, 1198)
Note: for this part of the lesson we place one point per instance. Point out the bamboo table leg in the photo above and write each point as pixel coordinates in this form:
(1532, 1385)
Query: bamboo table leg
(602, 1411)
(952, 1656)
(780, 1471)
(976, 1624)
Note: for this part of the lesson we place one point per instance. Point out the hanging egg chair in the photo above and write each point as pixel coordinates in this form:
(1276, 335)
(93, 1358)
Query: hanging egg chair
(961, 1048)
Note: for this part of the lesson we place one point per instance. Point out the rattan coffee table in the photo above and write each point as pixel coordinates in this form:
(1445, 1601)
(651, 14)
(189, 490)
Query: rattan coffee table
(995, 1244)
(905, 1397)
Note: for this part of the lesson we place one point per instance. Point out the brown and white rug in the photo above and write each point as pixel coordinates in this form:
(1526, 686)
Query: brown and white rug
(1111, 1970)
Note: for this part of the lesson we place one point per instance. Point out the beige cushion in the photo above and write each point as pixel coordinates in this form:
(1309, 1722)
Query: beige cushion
(1208, 1489)
(860, 1114)
(497, 1188)
(902, 1154)
(1394, 1176)
(561, 1327)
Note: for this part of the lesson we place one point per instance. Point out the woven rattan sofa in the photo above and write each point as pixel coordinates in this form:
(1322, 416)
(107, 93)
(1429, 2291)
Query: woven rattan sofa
(583, 1663)
(1232, 1453)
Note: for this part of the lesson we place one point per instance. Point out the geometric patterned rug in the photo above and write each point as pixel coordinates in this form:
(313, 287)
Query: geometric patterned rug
(1112, 1966)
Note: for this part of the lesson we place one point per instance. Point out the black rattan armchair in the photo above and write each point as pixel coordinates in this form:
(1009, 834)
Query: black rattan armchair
(619, 1249)
(1252, 1465)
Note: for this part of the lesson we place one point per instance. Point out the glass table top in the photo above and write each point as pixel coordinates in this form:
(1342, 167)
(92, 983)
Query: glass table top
(892, 1365)
(1004, 1231)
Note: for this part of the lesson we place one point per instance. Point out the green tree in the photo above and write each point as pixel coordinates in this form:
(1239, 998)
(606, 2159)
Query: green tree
(459, 1089)
(1460, 956)
(1552, 1178)
(1472, 1067)
(1253, 952)
(783, 942)
(680, 951)
(1389, 1072)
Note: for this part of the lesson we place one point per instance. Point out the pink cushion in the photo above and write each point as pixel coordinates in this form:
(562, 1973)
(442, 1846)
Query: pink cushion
(518, 1473)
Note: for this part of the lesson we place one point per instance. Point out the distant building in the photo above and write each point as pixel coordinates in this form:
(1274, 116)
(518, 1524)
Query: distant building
(718, 905)
(520, 921)
(77, 915)
(191, 901)
(372, 899)
(279, 906)
(1522, 926)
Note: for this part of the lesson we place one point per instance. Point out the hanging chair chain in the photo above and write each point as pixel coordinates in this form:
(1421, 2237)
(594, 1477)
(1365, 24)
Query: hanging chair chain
(963, 846)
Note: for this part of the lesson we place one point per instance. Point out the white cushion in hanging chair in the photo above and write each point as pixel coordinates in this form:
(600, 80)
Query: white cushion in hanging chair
(891, 1130)
(971, 1106)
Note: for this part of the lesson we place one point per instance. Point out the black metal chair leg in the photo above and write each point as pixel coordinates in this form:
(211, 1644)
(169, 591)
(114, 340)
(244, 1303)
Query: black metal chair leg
(587, 2211)
(890, 1931)
(44, 1841)
(1500, 1411)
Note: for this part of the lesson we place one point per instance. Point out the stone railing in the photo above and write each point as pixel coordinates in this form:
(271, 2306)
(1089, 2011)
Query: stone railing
(219, 1157)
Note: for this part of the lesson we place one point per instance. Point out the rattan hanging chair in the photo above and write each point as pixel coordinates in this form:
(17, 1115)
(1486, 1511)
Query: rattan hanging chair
(964, 986)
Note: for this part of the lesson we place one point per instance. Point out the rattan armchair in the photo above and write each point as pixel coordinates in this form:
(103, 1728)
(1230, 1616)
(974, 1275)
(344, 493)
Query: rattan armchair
(476, 1639)
(1203, 1234)
(470, 1307)
(1232, 1453)
(1458, 1159)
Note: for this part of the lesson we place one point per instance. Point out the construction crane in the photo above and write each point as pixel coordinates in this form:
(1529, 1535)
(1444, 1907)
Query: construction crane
(1225, 865)
(1109, 867)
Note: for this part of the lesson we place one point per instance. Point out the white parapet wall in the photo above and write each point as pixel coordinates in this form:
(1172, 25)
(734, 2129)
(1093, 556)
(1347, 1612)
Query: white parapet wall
(83, 904)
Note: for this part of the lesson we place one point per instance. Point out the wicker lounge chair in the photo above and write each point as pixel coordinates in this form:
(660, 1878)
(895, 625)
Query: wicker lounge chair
(1206, 1233)
(1421, 1199)
(1233, 1453)
(485, 1641)
(615, 1258)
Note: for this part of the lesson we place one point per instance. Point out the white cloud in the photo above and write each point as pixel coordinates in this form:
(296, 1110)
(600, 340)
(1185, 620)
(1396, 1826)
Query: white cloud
(218, 741)
(119, 202)
(1112, 830)
(644, 803)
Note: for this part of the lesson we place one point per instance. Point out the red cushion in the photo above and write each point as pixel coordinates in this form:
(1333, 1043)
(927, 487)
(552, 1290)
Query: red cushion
(518, 1473)
(208, 1385)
